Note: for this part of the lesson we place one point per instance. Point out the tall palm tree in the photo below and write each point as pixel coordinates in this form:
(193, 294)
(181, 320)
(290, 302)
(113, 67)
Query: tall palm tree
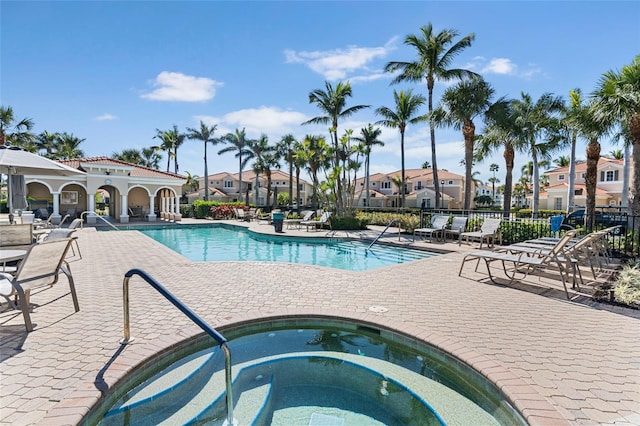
(332, 102)
(269, 160)
(178, 140)
(68, 147)
(571, 118)
(562, 161)
(167, 141)
(257, 150)
(314, 155)
(286, 150)
(501, 133)
(239, 144)
(405, 113)
(493, 168)
(150, 158)
(369, 139)
(618, 100)
(435, 54)
(535, 120)
(205, 135)
(459, 106)
(16, 132)
(299, 163)
(617, 154)
(191, 185)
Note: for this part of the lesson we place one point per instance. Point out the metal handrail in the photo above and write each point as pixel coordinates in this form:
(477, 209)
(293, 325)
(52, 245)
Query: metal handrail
(382, 233)
(99, 217)
(191, 315)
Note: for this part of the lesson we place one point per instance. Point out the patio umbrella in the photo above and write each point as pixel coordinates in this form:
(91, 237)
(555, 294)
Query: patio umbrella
(17, 161)
(18, 191)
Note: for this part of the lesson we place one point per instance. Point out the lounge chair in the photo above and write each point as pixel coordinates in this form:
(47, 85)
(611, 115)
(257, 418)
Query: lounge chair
(438, 225)
(291, 223)
(526, 262)
(40, 267)
(317, 224)
(489, 231)
(458, 226)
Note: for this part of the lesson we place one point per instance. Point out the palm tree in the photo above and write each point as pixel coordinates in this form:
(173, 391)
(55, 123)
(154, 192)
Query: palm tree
(501, 132)
(332, 102)
(369, 139)
(426, 165)
(562, 161)
(150, 158)
(571, 118)
(405, 113)
(434, 57)
(269, 160)
(459, 106)
(130, 155)
(204, 134)
(15, 132)
(257, 149)
(286, 150)
(167, 140)
(239, 143)
(494, 168)
(46, 142)
(191, 184)
(618, 99)
(617, 154)
(178, 140)
(68, 147)
(535, 120)
(299, 163)
(314, 155)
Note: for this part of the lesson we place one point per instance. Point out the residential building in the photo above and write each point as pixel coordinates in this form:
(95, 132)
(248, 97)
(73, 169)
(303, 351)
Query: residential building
(609, 185)
(225, 187)
(419, 189)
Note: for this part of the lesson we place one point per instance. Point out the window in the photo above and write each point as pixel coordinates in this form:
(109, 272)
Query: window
(361, 183)
(228, 184)
(557, 202)
(386, 185)
(450, 182)
(560, 177)
(249, 187)
(609, 176)
(261, 201)
(301, 187)
(420, 185)
(373, 184)
(584, 175)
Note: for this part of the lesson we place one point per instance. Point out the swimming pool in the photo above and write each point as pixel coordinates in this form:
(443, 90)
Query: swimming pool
(310, 371)
(230, 243)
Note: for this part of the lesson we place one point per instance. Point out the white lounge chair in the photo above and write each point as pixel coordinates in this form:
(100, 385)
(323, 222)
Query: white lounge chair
(489, 231)
(438, 225)
(458, 226)
(526, 262)
(40, 267)
(316, 224)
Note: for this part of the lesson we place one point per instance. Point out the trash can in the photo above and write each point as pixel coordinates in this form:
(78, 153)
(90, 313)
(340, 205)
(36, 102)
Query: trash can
(278, 220)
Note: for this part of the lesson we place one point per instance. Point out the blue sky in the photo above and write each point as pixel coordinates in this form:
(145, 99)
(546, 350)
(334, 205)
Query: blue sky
(113, 72)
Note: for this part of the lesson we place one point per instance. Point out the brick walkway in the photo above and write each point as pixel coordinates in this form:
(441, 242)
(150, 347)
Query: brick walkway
(559, 362)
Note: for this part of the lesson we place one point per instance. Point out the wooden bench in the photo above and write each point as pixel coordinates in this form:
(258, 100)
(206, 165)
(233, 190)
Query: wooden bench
(16, 235)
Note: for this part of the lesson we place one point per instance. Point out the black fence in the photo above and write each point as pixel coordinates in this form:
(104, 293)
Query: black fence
(624, 240)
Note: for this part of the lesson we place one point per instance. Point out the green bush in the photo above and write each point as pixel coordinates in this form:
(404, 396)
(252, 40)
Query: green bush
(542, 214)
(408, 221)
(186, 210)
(202, 209)
(626, 288)
(347, 223)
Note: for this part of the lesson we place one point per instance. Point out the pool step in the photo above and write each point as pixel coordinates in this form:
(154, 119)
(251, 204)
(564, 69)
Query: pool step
(387, 254)
(255, 383)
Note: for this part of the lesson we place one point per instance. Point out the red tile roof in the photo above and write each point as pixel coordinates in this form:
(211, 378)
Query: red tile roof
(138, 171)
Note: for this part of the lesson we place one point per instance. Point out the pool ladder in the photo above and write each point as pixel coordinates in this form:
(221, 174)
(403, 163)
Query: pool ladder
(382, 233)
(192, 316)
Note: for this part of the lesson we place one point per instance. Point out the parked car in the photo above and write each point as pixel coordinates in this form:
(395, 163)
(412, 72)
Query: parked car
(603, 219)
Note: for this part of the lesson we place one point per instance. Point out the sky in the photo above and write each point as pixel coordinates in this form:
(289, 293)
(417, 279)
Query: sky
(112, 72)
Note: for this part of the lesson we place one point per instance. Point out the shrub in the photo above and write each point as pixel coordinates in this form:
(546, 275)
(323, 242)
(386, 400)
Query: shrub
(202, 209)
(408, 221)
(626, 288)
(222, 212)
(186, 210)
(347, 223)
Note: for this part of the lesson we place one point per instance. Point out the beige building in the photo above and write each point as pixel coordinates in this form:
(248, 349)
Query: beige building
(225, 187)
(122, 191)
(419, 189)
(608, 187)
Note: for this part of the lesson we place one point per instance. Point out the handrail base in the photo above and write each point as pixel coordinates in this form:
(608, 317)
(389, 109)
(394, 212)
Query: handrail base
(124, 341)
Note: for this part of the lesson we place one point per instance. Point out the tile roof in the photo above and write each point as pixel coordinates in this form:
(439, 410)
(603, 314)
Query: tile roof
(137, 171)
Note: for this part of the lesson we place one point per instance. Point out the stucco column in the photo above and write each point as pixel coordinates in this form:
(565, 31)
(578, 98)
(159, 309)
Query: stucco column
(176, 208)
(152, 213)
(124, 212)
(91, 217)
(56, 208)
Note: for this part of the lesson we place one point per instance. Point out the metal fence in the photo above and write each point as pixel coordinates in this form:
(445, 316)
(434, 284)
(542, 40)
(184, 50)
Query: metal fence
(624, 240)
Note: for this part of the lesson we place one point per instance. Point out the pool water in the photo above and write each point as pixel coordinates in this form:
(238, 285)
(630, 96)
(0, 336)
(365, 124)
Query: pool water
(293, 372)
(228, 243)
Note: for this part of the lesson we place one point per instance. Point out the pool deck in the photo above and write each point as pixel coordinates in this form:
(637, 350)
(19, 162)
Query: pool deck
(559, 361)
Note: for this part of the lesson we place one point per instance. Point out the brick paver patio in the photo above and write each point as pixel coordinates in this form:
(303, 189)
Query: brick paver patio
(559, 361)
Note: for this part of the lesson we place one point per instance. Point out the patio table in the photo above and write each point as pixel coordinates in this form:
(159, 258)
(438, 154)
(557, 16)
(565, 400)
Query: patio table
(10, 255)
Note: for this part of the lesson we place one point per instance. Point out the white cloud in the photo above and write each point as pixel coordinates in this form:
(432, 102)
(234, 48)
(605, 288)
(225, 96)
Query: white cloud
(175, 86)
(340, 64)
(500, 66)
(271, 121)
(106, 117)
